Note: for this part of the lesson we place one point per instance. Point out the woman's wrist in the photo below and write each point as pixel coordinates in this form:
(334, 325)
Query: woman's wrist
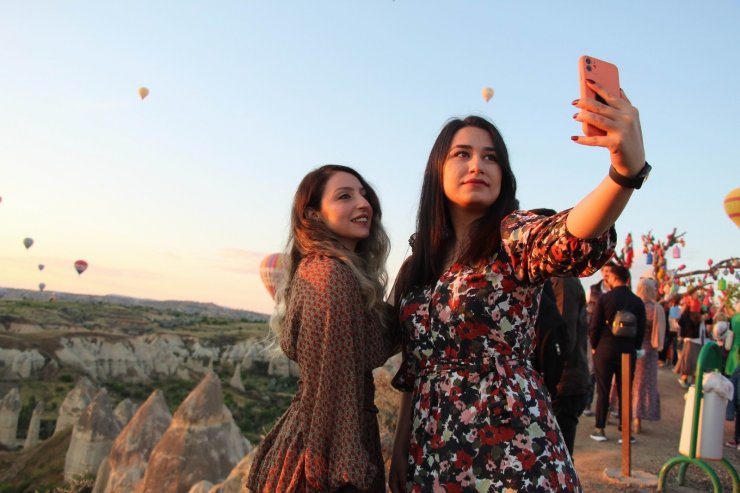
(634, 182)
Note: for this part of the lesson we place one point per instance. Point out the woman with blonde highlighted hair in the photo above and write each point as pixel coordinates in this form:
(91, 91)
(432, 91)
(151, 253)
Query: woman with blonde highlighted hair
(332, 320)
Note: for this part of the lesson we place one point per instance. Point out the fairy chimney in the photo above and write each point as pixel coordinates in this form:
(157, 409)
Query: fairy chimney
(124, 467)
(77, 400)
(32, 436)
(10, 408)
(92, 437)
(202, 443)
(236, 380)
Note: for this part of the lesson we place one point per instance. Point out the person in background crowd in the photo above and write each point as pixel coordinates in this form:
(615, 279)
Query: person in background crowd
(575, 381)
(732, 358)
(592, 297)
(669, 353)
(607, 348)
(646, 399)
(693, 335)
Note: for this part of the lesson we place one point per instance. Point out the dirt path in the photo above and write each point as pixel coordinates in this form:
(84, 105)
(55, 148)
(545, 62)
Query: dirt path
(657, 443)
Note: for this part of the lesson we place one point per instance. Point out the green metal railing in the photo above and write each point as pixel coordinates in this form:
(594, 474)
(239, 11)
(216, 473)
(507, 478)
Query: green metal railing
(710, 358)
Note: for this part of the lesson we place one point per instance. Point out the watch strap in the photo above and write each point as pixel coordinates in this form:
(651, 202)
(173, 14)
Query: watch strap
(630, 182)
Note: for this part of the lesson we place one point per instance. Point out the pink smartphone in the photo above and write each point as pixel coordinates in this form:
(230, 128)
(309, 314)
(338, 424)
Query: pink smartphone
(604, 73)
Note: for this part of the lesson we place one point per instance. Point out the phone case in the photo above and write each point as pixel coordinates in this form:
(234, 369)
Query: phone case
(604, 73)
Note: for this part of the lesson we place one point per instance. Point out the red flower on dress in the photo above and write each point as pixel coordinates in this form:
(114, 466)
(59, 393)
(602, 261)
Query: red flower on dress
(502, 434)
(463, 461)
(437, 442)
(469, 331)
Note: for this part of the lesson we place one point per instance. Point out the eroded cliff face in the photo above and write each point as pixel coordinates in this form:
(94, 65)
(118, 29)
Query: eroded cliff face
(139, 358)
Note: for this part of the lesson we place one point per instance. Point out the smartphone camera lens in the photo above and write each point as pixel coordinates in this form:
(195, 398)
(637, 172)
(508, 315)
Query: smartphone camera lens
(588, 68)
(588, 61)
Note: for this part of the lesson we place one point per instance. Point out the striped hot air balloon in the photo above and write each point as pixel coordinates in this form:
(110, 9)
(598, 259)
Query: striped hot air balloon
(732, 206)
(272, 272)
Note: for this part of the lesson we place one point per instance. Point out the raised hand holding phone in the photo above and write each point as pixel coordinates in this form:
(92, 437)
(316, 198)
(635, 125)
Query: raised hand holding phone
(618, 129)
(607, 116)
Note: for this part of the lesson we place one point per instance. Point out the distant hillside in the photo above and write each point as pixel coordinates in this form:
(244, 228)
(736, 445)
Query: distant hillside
(187, 307)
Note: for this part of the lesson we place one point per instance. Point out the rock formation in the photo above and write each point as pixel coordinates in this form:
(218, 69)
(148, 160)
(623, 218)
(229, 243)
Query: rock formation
(77, 400)
(124, 467)
(92, 437)
(201, 487)
(136, 358)
(32, 436)
(124, 411)
(281, 366)
(202, 443)
(238, 475)
(20, 364)
(10, 408)
(236, 380)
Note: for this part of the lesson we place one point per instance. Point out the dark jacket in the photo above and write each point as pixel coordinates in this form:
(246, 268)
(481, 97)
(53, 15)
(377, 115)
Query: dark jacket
(689, 325)
(600, 334)
(571, 301)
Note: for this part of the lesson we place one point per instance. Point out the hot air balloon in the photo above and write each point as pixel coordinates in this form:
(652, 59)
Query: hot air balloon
(732, 206)
(143, 92)
(28, 242)
(41, 286)
(80, 266)
(487, 93)
(41, 266)
(649, 259)
(272, 272)
(676, 252)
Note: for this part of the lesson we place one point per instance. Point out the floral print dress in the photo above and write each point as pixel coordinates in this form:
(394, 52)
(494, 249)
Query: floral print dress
(482, 420)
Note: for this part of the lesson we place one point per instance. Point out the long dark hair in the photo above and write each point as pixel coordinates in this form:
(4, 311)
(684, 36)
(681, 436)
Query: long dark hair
(310, 236)
(434, 232)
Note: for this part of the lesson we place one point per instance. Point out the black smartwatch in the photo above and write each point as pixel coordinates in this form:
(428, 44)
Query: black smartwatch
(627, 182)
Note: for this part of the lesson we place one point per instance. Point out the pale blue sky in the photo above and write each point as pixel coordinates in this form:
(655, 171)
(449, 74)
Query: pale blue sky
(180, 195)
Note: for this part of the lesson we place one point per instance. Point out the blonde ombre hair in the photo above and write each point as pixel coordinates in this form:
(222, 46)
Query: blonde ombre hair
(310, 236)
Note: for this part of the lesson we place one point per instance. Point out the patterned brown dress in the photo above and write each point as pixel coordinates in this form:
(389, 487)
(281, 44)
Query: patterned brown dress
(328, 439)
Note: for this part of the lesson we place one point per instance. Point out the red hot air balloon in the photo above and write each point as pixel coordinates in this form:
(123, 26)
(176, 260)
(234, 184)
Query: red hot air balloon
(80, 266)
(272, 272)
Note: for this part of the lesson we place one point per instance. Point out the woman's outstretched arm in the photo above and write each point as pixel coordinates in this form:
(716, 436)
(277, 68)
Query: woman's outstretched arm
(599, 210)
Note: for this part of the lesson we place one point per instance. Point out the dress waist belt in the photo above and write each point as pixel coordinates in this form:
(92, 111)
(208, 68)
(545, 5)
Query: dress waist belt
(484, 366)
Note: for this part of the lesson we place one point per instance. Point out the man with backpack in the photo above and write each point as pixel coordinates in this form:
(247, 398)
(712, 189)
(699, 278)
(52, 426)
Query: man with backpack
(617, 326)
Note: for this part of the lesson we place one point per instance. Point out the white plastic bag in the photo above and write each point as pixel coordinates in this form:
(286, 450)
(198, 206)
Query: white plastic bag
(717, 383)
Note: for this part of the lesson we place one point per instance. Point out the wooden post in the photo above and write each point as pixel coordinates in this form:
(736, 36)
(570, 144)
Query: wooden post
(626, 416)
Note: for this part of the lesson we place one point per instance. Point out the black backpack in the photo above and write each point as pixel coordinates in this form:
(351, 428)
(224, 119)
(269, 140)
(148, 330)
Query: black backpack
(551, 341)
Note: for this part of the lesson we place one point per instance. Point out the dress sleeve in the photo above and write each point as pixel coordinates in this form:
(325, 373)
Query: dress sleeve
(330, 355)
(406, 375)
(541, 247)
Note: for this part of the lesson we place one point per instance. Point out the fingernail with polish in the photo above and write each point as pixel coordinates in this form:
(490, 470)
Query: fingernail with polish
(575, 102)
(575, 115)
(574, 137)
(590, 81)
